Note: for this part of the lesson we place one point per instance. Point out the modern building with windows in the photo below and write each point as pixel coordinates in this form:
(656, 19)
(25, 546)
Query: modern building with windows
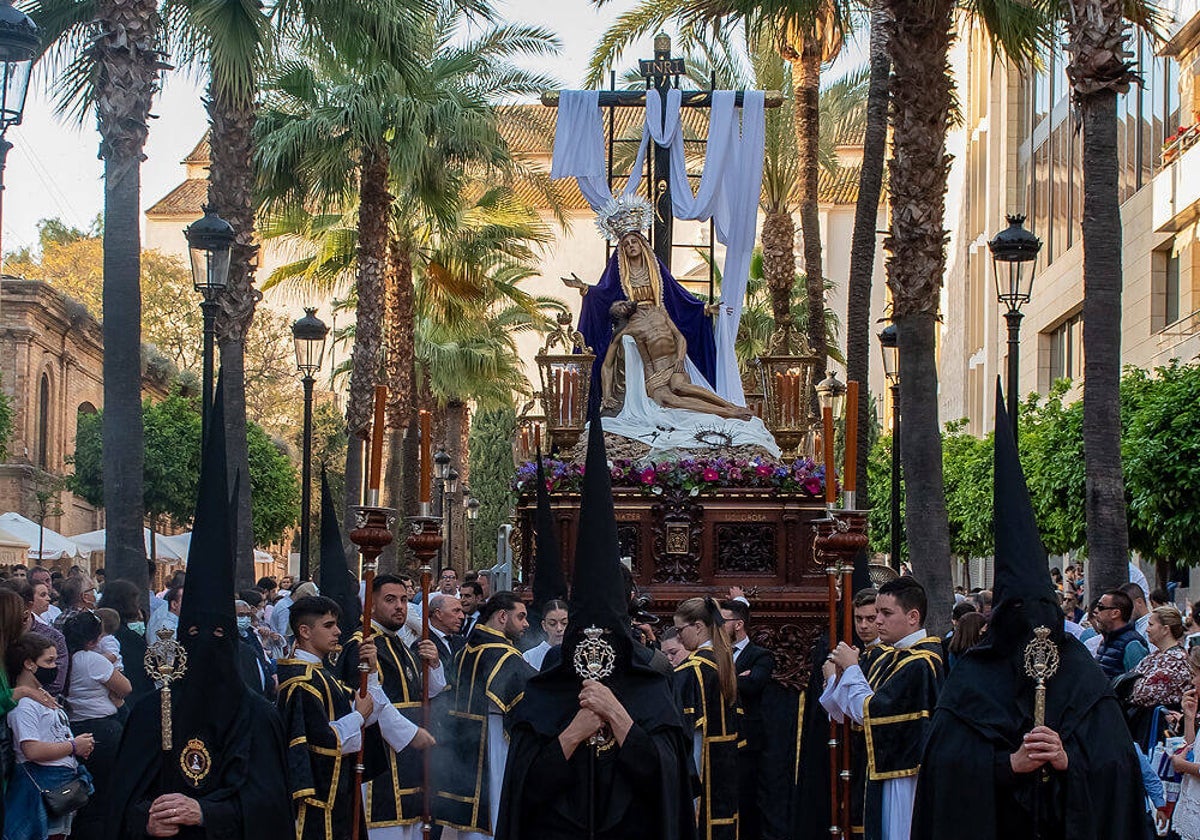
(1019, 150)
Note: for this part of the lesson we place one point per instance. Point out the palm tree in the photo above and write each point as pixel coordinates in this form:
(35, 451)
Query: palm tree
(108, 52)
(1100, 68)
(862, 243)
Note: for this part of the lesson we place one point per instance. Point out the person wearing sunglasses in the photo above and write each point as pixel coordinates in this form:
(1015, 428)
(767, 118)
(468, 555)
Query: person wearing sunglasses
(1123, 647)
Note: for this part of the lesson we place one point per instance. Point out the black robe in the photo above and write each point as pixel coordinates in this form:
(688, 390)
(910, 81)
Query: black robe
(698, 696)
(394, 785)
(320, 777)
(967, 789)
(906, 682)
(491, 674)
(643, 788)
(243, 795)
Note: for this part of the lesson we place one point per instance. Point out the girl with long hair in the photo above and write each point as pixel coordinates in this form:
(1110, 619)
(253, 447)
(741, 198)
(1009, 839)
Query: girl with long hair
(706, 693)
(46, 750)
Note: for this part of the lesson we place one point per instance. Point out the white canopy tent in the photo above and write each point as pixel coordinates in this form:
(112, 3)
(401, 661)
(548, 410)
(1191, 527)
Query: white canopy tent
(13, 549)
(180, 543)
(165, 552)
(54, 545)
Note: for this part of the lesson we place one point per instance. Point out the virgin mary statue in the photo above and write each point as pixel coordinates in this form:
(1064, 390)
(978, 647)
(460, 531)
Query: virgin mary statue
(635, 273)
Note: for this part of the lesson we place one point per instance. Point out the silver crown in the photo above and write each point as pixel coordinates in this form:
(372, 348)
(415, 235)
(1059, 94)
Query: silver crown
(624, 214)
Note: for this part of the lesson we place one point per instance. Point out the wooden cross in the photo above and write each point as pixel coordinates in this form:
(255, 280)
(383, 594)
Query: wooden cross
(661, 73)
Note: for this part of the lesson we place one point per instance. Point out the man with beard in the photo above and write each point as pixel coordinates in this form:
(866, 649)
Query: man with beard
(393, 797)
(223, 775)
(637, 783)
(491, 681)
(990, 770)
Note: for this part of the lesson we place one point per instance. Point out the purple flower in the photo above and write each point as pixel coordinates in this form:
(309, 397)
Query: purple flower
(764, 470)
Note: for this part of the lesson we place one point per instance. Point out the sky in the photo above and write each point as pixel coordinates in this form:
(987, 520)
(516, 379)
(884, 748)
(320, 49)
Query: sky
(53, 170)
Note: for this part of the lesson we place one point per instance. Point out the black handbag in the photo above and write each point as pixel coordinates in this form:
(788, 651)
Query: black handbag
(66, 798)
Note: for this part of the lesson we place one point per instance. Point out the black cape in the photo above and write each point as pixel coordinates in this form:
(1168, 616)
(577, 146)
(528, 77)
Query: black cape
(977, 725)
(244, 795)
(644, 788)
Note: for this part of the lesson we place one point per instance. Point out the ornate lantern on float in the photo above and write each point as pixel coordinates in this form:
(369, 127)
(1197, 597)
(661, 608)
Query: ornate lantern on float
(565, 369)
(529, 433)
(787, 373)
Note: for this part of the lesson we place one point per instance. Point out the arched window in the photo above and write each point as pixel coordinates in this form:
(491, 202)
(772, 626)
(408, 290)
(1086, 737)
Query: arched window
(43, 431)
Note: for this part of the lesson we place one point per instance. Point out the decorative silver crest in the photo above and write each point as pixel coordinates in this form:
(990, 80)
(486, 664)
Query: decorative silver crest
(594, 658)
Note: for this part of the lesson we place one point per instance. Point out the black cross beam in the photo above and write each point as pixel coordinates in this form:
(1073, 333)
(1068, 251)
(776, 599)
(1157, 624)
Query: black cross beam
(661, 73)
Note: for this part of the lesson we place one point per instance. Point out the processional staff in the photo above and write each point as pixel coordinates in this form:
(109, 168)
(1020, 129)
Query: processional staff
(372, 533)
(425, 540)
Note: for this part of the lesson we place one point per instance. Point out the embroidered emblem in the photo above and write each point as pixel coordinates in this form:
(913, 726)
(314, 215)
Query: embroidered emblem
(195, 761)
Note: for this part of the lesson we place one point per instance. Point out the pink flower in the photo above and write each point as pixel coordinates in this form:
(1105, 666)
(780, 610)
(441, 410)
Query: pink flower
(813, 485)
(764, 470)
(647, 475)
(710, 474)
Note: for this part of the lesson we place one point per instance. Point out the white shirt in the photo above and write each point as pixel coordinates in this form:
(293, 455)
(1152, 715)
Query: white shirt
(87, 694)
(52, 612)
(163, 618)
(31, 721)
(109, 644)
(535, 656)
(1136, 576)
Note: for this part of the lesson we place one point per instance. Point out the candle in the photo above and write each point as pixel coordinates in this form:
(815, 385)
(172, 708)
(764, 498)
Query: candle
(525, 443)
(568, 397)
(830, 478)
(558, 395)
(377, 445)
(851, 465)
(537, 438)
(779, 395)
(426, 460)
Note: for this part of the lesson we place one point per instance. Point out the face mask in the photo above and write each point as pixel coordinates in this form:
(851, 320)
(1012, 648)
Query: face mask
(138, 627)
(45, 676)
(243, 622)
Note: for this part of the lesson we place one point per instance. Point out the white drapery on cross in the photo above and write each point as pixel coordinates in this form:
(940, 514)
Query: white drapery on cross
(729, 190)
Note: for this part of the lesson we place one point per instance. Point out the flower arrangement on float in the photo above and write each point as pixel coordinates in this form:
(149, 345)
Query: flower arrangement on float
(693, 475)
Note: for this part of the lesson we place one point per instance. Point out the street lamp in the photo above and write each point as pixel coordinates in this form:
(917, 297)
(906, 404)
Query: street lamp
(831, 393)
(472, 505)
(19, 44)
(891, 369)
(209, 241)
(1017, 248)
(309, 334)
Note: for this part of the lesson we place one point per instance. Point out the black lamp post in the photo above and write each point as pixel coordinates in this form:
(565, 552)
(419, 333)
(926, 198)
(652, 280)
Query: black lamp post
(891, 369)
(449, 489)
(309, 334)
(441, 466)
(209, 240)
(1017, 248)
(472, 505)
(19, 44)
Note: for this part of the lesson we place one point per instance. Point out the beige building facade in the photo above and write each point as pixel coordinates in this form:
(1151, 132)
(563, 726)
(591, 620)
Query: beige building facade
(1018, 151)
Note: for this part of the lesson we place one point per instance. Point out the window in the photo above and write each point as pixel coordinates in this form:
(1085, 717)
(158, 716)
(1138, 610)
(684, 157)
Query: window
(1066, 349)
(1171, 290)
(43, 432)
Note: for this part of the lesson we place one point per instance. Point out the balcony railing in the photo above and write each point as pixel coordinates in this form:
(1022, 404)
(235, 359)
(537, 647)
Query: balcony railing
(1183, 140)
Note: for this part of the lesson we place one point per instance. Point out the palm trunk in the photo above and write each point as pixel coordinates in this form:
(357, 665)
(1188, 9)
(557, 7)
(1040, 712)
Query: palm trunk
(1100, 68)
(862, 244)
(127, 62)
(374, 208)
(1107, 530)
(808, 128)
(231, 193)
(779, 262)
(398, 365)
(919, 39)
(456, 429)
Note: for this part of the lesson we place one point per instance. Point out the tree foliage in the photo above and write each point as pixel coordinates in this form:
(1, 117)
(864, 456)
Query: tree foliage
(492, 474)
(172, 468)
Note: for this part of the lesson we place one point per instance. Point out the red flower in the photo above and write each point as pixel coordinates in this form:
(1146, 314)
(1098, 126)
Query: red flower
(647, 475)
(710, 474)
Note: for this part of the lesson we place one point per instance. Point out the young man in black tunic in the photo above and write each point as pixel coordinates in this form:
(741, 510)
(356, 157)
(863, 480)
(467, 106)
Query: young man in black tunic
(637, 784)
(988, 773)
(223, 777)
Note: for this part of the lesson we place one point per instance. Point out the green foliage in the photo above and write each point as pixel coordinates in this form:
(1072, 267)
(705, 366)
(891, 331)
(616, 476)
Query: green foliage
(967, 471)
(492, 475)
(274, 487)
(1160, 448)
(6, 424)
(879, 485)
(172, 471)
(1051, 446)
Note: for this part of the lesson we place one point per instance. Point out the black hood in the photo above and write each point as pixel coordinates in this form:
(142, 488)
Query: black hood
(1022, 593)
(549, 582)
(336, 581)
(207, 619)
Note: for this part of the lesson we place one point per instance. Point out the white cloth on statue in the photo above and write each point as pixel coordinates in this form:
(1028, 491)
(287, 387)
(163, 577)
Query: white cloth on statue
(497, 759)
(845, 698)
(729, 191)
(579, 148)
(665, 430)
